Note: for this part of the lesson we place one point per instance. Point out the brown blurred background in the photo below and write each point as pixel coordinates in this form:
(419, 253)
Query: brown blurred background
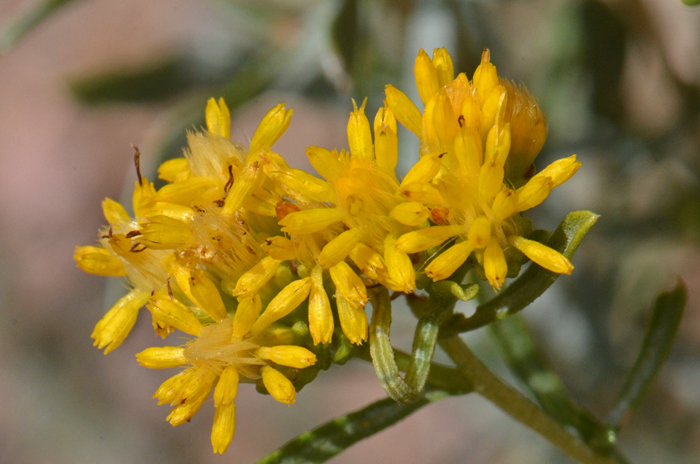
(619, 81)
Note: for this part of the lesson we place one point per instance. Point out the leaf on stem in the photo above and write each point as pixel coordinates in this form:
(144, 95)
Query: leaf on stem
(661, 333)
(334, 437)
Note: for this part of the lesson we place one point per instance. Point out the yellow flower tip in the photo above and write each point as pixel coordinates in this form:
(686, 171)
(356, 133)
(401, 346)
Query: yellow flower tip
(485, 77)
(353, 320)
(443, 65)
(168, 312)
(271, 128)
(410, 213)
(426, 76)
(99, 261)
(114, 212)
(286, 301)
(227, 387)
(359, 134)
(495, 266)
(405, 110)
(256, 278)
(419, 240)
(287, 355)
(447, 263)
(176, 169)
(402, 276)
(247, 312)
(339, 248)
(278, 386)
(207, 296)
(116, 324)
(310, 220)
(480, 232)
(349, 284)
(543, 255)
(320, 314)
(224, 427)
(218, 118)
(162, 357)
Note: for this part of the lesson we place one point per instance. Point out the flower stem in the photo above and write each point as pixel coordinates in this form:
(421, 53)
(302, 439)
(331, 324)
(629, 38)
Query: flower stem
(517, 405)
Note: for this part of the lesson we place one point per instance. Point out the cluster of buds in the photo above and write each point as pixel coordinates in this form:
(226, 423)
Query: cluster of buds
(268, 267)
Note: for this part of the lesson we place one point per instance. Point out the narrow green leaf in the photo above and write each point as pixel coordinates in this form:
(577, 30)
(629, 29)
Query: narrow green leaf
(529, 364)
(531, 283)
(332, 438)
(18, 26)
(344, 30)
(155, 81)
(661, 332)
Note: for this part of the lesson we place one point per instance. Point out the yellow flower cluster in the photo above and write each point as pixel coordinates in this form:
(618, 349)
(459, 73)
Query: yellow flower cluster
(235, 231)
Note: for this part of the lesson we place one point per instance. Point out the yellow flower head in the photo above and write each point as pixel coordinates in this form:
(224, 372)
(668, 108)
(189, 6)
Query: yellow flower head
(478, 138)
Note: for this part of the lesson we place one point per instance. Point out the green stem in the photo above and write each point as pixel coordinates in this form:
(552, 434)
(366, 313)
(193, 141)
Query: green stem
(516, 405)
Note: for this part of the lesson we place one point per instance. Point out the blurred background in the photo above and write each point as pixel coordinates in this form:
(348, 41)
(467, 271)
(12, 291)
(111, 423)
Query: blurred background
(619, 81)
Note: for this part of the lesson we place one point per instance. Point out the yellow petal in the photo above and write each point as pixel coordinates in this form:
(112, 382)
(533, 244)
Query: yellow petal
(424, 170)
(224, 427)
(242, 188)
(467, 150)
(543, 255)
(405, 110)
(162, 357)
(485, 76)
(447, 263)
(284, 303)
(309, 220)
(162, 232)
(278, 386)
(99, 261)
(480, 232)
(422, 193)
(443, 66)
(271, 128)
(359, 135)
(420, 240)
(534, 192)
(339, 248)
(325, 162)
(369, 261)
(386, 142)
(349, 284)
(218, 118)
(279, 248)
(561, 170)
(116, 324)
(207, 295)
(249, 308)
(114, 212)
(256, 278)
(287, 355)
(410, 213)
(227, 387)
(505, 204)
(320, 314)
(167, 312)
(426, 76)
(299, 183)
(353, 320)
(495, 266)
(399, 267)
